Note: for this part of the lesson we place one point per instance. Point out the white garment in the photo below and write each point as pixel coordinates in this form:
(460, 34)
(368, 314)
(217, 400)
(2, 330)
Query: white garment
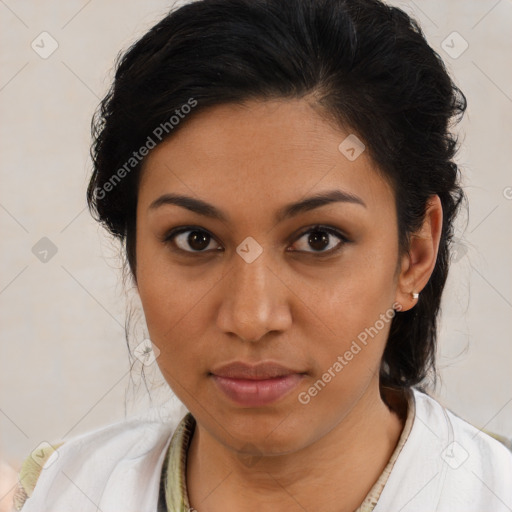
(446, 465)
(116, 468)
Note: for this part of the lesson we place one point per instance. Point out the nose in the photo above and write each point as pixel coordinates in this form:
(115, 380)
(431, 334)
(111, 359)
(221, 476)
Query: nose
(254, 300)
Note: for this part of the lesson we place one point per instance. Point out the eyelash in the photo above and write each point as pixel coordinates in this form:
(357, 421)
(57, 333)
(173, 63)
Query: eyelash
(168, 239)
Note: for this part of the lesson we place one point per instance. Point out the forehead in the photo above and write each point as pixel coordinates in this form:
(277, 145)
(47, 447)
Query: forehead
(261, 154)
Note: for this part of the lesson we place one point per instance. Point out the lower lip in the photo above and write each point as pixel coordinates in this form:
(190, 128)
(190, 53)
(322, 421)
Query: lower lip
(254, 393)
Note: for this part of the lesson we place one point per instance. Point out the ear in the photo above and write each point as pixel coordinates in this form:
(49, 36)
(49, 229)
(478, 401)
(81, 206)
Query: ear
(418, 264)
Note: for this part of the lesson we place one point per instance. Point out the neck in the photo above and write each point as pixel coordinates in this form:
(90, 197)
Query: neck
(318, 477)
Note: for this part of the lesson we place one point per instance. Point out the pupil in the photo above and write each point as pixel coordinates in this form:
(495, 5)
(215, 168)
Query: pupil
(318, 240)
(198, 240)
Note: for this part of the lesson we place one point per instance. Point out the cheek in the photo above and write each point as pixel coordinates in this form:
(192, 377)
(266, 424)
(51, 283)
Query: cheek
(347, 357)
(176, 313)
(164, 299)
(354, 293)
(353, 314)
(171, 311)
(160, 285)
(372, 283)
(172, 323)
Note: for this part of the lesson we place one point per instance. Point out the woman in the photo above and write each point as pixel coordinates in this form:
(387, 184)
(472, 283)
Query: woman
(281, 176)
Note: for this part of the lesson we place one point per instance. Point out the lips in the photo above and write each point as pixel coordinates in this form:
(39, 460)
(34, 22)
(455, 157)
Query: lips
(259, 371)
(255, 385)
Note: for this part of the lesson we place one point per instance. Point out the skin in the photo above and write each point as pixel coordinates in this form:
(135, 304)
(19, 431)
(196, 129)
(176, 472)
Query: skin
(8, 481)
(289, 305)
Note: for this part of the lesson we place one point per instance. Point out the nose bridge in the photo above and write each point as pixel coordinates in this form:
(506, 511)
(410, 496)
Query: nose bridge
(251, 304)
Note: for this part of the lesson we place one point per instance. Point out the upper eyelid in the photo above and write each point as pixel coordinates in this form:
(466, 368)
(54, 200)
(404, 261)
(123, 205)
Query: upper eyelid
(172, 233)
(331, 230)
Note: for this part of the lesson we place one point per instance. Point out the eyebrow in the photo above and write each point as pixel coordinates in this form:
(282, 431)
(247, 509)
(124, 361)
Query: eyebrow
(208, 210)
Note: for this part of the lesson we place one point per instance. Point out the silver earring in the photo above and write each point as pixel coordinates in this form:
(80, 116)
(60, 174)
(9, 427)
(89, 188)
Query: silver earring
(415, 295)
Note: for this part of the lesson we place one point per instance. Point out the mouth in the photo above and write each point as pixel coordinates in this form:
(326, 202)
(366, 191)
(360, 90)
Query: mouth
(259, 371)
(255, 385)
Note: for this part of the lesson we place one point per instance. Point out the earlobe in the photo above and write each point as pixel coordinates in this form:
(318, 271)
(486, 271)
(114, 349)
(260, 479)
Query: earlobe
(419, 263)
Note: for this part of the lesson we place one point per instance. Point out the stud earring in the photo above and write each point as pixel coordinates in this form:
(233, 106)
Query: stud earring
(415, 295)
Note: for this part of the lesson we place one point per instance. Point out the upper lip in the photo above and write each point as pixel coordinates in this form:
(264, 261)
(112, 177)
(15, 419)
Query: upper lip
(262, 370)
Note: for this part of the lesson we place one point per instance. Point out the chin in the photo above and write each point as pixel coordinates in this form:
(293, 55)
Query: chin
(262, 431)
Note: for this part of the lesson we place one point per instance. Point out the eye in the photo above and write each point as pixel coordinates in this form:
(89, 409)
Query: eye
(196, 238)
(199, 240)
(320, 238)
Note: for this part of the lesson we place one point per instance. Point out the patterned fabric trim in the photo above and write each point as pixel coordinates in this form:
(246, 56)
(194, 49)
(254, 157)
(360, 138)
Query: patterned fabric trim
(30, 471)
(176, 495)
(373, 496)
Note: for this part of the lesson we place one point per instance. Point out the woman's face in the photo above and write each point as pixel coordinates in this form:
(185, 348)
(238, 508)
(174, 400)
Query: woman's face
(261, 285)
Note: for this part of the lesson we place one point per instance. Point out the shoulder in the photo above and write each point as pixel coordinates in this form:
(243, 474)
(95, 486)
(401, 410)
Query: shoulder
(448, 465)
(93, 454)
(473, 463)
(483, 441)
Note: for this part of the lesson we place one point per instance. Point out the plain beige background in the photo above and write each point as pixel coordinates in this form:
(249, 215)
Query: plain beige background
(64, 366)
